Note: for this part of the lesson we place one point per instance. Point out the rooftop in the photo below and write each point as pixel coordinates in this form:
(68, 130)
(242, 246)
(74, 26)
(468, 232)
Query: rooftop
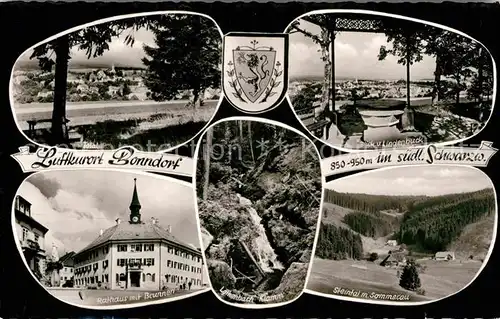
(444, 253)
(67, 259)
(125, 231)
(20, 216)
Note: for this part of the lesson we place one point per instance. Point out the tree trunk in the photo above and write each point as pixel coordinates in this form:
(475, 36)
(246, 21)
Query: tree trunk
(408, 83)
(61, 49)
(240, 129)
(457, 96)
(207, 152)
(249, 123)
(196, 98)
(480, 76)
(227, 140)
(327, 80)
(327, 71)
(436, 92)
(407, 120)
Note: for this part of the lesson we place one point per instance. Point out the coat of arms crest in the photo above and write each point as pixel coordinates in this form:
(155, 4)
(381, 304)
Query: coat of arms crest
(255, 70)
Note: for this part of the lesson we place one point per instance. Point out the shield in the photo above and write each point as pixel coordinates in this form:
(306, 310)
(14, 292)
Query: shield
(254, 70)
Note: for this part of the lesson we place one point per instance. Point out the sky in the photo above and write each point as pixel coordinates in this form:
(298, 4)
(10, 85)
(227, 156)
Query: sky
(432, 180)
(119, 53)
(356, 55)
(76, 205)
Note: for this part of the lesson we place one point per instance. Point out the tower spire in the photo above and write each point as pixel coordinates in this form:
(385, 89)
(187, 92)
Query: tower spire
(135, 206)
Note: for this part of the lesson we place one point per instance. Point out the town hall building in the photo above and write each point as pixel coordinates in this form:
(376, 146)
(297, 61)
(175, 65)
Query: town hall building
(138, 255)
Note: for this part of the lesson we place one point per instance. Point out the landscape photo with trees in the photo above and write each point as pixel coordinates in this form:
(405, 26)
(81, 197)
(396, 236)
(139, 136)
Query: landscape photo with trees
(143, 80)
(259, 192)
(404, 234)
(364, 81)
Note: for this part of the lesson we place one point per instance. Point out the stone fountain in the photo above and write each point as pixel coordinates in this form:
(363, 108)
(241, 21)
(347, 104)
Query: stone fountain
(386, 120)
(55, 279)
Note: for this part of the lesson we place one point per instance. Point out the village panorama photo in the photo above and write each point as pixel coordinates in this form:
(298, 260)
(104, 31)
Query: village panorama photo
(371, 80)
(95, 238)
(152, 81)
(404, 235)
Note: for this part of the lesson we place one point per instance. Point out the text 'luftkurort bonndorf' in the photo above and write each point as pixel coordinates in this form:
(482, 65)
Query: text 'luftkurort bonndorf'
(125, 157)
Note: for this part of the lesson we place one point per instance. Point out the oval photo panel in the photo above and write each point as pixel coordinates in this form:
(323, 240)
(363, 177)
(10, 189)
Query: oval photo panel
(259, 194)
(367, 80)
(422, 234)
(109, 239)
(149, 80)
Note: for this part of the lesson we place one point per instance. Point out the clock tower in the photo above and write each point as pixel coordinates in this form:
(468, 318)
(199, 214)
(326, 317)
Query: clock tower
(135, 206)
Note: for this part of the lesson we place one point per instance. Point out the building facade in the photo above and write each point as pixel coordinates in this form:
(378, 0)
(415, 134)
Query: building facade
(138, 255)
(444, 255)
(67, 273)
(31, 235)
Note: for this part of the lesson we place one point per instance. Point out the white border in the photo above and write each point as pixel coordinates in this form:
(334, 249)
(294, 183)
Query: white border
(106, 307)
(266, 121)
(105, 20)
(397, 16)
(417, 303)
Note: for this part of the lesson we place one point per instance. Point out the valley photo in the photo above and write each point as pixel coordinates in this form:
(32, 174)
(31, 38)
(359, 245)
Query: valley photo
(150, 81)
(369, 81)
(404, 234)
(104, 238)
(259, 193)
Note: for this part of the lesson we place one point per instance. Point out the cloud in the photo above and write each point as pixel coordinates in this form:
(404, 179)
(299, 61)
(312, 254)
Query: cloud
(87, 201)
(414, 180)
(118, 53)
(48, 187)
(374, 45)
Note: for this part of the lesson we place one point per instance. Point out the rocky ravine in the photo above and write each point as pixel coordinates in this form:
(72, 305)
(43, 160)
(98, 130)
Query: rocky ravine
(275, 215)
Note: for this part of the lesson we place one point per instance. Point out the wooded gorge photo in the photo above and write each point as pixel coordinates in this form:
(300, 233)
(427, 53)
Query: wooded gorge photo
(259, 193)
(404, 234)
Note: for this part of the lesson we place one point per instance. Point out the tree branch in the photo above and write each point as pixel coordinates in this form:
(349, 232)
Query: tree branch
(244, 276)
(303, 184)
(308, 34)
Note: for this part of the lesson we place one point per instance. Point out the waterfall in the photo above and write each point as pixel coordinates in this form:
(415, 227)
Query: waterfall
(266, 257)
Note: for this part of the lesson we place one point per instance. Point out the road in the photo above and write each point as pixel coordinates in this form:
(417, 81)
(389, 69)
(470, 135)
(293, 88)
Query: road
(91, 112)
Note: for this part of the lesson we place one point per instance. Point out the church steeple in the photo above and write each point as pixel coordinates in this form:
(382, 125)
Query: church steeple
(135, 206)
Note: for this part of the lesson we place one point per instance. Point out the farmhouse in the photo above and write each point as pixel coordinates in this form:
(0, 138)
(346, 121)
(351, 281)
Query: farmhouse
(445, 255)
(394, 259)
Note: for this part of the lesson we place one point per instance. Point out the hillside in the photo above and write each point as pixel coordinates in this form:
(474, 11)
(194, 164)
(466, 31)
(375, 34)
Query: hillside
(32, 65)
(371, 203)
(458, 222)
(475, 239)
(335, 217)
(435, 224)
(334, 214)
